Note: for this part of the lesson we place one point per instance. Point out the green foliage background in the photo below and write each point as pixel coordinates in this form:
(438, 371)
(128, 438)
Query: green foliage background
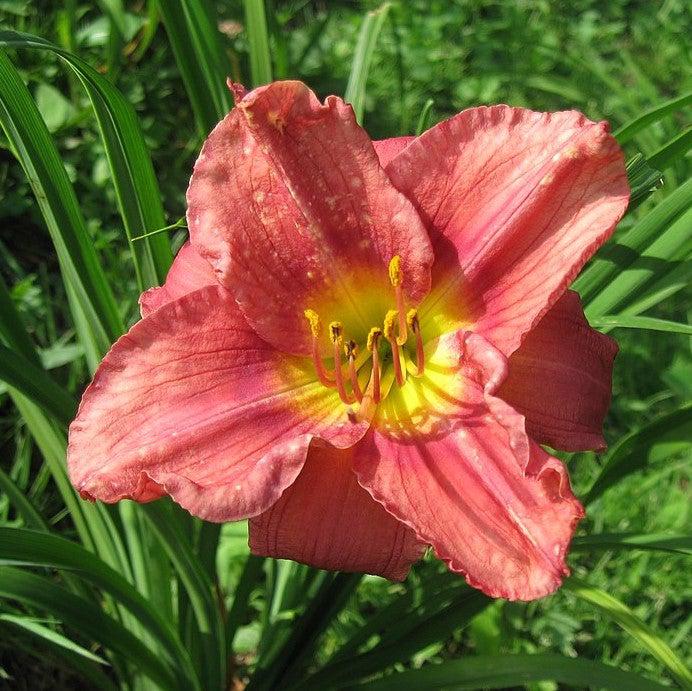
(405, 67)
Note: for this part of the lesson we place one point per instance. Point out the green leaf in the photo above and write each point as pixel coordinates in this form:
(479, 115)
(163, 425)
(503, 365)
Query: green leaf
(28, 547)
(675, 544)
(92, 522)
(199, 589)
(196, 45)
(132, 172)
(643, 179)
(37, 385)
(669, 153)
(617, 255)
(258, 42)
(31, 517)
(620, 321)
(36, 628)
(83, 616)
(95, 312)
(664, 435)
(34, 643)
(362, 59)
(626, 132)
(673, 245)
(624, 617)
(422, 629)
(425, 117)
(509, 671)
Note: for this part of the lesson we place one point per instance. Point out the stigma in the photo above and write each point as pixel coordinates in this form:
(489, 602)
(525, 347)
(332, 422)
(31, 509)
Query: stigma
(387, 346)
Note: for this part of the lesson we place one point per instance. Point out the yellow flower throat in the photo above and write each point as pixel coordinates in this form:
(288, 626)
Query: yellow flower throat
(397, 326)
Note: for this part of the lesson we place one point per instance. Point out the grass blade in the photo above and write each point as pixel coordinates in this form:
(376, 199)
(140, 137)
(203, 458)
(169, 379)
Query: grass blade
(425, 630)
(669, 153)
(509, 671)
(624, 617)
(83, 616)
(199, 590)
(425, 117)
(258, 42)
(626, 132)
(37, 385)
(636, 322)
(203, 66)
(673, 245)
(96, 314)
(31, 517)
(362, 59)
(29, 638)
(27, 547)
(675, 544)
(132, 172)
(633, 451)
(618, 255)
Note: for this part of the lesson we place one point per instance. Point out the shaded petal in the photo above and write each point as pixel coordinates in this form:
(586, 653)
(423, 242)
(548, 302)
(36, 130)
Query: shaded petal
(193, 400)
(327, 520)
(515, 202)
(189, 272)
(560, 379)
(289, 203)
(387, 149)
(491, 502)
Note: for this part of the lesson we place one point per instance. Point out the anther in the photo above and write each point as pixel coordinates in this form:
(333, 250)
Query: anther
(414, 325)
(335, 333)
(316, 329)
(396, 278)
(389, 320)
(351, 349)
(373, 347)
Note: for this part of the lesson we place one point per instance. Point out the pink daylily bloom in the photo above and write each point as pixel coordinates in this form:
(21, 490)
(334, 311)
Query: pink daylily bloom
(364, 344)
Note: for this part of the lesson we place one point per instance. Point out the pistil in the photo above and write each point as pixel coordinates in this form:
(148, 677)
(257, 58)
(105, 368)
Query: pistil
(414, 324)
(390, 319)
(396, 278)
(335, 333)
(326, 378)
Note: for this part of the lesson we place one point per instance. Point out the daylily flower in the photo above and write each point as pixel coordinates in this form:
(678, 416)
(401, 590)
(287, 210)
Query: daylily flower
(364, 344)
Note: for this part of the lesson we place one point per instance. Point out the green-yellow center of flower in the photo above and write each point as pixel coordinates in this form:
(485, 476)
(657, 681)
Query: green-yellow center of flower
(392, 351)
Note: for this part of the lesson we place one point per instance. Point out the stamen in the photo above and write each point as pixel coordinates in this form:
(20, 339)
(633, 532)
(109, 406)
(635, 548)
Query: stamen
(396, 277)
(326, 378)
(414, 324)
(373, 345)
(390, 318)
(351, 348)
(335, 331)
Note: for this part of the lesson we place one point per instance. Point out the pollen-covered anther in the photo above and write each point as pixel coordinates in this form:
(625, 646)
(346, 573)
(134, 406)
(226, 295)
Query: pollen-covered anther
(390, 319)
(396, 278)
(336, 334)
(414, 325)
(326, 378)
(373, 346)
(351, 350)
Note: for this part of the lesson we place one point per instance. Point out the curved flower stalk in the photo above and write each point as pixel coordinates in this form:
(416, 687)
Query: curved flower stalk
(364, 344)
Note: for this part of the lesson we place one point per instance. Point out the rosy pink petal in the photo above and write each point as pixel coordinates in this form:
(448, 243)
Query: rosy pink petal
(188, 273)
(560, 379)
(288, 202)
(327, 520)
(387, 149)
(468, 480)
(191, 400)
(515, 202)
